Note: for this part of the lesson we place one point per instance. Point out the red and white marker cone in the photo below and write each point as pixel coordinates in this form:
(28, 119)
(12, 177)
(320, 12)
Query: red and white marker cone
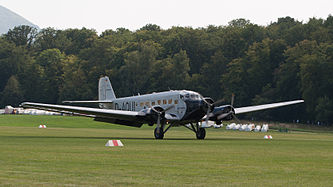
(268, 137)
(42, 126)
(113, 143)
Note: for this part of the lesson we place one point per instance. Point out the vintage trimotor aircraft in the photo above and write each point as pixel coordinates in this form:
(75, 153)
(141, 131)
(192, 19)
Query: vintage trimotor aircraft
(172, 108)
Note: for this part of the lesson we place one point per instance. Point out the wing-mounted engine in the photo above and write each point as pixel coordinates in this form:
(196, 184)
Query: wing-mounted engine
(153, 114)
(156, 114)
(222, 113)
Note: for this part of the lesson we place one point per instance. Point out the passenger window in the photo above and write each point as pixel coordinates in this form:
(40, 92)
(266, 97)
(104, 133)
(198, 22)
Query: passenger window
(170, 101)
(176, 102)
(147, 104)
(159, 102)
(164, 102)
(153, 103)
(141, 104)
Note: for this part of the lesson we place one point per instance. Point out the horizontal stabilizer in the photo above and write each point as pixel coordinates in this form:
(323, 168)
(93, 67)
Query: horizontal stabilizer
(96, 101)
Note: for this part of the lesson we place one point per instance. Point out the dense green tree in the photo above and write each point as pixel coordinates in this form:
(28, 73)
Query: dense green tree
(12, 94)
(75, 84)
(13, 61)
(23, 35)
(6, 67)
(79, 39)
(52, 62)
(175, 72)
(50, 38)
(136, 71)
(210, 76)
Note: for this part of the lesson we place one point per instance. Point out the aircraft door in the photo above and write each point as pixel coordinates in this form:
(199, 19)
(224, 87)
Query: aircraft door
(181, 107)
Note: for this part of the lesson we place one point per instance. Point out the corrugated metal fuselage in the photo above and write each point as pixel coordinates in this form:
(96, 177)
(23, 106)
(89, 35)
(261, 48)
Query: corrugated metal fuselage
(189, 105)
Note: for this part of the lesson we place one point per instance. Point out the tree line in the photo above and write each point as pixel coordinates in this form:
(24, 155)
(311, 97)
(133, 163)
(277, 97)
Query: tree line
(284, 60)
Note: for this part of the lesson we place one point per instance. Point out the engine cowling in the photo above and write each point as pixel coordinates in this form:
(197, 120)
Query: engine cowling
(222, 113)
(151, 114)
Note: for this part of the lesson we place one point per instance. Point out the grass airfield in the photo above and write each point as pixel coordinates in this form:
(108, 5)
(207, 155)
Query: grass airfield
(72, 152)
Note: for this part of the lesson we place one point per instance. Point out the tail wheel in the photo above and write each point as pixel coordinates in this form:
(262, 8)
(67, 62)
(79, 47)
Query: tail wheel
(201, 133)
(158, 135)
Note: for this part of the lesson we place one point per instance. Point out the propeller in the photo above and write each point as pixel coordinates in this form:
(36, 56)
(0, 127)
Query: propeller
(210, 109)
(159, 113)
(206, 124)
(232, 104)
(221, 116)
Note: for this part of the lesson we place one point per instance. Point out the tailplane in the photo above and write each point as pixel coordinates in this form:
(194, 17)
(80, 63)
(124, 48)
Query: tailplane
(105, 93)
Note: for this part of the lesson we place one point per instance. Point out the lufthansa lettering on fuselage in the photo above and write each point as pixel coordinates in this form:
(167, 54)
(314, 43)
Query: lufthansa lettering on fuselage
(128, 106)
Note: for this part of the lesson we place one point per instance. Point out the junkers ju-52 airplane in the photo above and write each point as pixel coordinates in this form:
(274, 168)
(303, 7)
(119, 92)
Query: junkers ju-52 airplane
(165, 109)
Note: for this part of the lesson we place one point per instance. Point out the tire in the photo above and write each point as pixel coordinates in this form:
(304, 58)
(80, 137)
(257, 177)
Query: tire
(201, 133)
(159, 135)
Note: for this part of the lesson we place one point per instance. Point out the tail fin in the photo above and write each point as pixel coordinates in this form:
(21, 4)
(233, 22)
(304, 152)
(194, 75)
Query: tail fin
(105, 91)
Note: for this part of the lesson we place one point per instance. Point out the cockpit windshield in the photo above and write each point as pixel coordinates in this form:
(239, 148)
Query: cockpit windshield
(191, 96)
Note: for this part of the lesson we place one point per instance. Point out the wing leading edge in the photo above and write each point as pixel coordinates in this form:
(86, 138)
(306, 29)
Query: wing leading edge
(266, 106)
(122, 117)
(130, 118)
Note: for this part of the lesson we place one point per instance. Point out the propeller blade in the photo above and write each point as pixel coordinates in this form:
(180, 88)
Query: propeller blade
(158, 112)
(234, 116)
(232, 99)
(224, 115)
(207, 117)
(218, 102)
(158, 125)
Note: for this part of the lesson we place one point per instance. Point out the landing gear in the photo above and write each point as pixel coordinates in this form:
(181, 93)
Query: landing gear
(201, 133)
(158, 133)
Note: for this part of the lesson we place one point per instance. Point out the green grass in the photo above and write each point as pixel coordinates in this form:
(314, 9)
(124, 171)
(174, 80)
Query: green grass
(72, 152)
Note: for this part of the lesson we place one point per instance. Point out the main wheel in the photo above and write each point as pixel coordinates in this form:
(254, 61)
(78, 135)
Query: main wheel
(159, 135)
(201, 133)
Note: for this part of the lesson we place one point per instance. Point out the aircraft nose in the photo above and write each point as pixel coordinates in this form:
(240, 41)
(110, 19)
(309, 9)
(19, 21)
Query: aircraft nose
(203, 105)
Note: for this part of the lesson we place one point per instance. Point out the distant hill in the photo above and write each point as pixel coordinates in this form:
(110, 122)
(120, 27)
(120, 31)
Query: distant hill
(9, 19)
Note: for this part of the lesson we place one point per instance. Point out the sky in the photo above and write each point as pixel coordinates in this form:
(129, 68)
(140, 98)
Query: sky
(134, 14)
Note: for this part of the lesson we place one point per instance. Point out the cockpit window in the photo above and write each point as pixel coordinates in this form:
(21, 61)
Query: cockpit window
(187, 96)
(194, 96)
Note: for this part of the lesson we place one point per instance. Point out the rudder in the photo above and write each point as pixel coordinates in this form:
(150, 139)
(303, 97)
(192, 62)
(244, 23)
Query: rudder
(105, 90)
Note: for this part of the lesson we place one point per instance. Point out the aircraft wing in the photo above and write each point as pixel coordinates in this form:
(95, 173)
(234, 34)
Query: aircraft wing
(129, 118)
(266, 106)
(97, 112)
